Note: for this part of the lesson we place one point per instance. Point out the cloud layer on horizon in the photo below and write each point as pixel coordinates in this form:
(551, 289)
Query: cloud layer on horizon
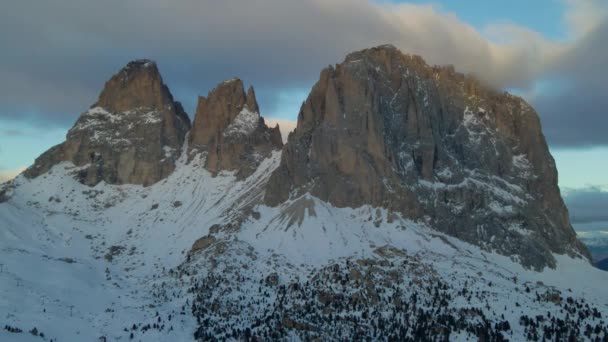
(66, 49)
(587, 205)
(6, 175)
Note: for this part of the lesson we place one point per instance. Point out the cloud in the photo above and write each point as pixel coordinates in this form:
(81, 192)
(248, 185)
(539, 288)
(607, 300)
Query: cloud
(68, 48)
(575, 114)
(588, 204)
(6, 175)
(11, 132)
(583, 16)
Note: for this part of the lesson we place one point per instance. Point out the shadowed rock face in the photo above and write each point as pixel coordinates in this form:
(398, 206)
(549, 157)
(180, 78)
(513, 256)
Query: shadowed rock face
(228, 128)
(132, 134)
(385, 129)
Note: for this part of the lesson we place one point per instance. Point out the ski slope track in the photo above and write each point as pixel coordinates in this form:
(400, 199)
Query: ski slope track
(83, 262)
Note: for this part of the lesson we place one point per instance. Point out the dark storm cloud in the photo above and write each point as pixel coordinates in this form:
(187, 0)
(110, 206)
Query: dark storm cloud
(57, 54)
(587, 204)
(577, 113)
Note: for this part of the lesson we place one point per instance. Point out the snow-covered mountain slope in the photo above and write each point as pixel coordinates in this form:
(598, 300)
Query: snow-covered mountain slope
(83, 262)
(80, 262)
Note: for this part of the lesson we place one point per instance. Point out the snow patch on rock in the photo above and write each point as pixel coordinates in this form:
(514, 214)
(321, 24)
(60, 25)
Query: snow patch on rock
(243, 124)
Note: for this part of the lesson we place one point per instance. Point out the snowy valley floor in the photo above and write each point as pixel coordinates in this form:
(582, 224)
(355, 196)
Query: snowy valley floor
(78, 263)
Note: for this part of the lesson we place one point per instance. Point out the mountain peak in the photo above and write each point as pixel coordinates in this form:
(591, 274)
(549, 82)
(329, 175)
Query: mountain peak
(386, 129)
(138, 65)
(233, 85)
(385, 47)
(137, 85)
(229, 129)
(388, 57)
(132, 134)
(142, 62)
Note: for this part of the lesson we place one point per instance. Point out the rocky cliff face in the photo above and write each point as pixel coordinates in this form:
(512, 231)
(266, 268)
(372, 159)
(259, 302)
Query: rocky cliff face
(382, 129)
(386, 129)
(228, 128)
(132, 134)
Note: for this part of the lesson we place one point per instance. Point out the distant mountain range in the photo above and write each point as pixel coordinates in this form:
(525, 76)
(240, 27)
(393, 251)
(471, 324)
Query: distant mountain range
(597, 243)
(410, 203)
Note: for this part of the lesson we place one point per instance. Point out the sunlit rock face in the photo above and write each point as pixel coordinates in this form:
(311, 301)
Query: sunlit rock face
(229, 130)
(386, 129)
(132, 134)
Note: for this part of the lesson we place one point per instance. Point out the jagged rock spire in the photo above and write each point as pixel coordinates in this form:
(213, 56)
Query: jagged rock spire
(228, 127)
(252, 103)
(138, 84)
(216, 111)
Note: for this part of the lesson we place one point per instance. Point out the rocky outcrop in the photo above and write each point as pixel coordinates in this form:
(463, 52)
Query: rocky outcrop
(386, 129)
(132, 134)
(228, 128)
